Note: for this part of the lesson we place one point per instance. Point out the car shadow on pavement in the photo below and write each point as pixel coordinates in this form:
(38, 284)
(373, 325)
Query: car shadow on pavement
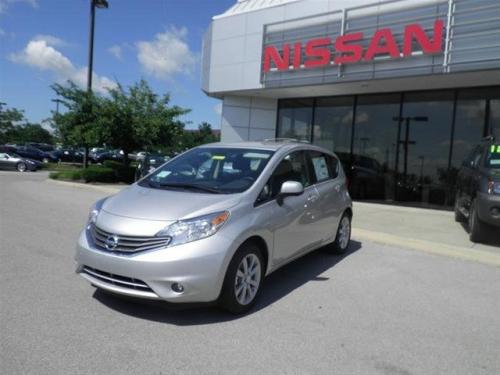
(276, 286)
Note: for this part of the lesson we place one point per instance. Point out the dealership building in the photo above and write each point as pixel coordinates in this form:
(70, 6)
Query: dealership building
(401, 90)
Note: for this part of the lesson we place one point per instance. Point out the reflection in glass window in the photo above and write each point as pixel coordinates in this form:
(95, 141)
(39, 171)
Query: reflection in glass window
(424, 146)
(495, 117)
(469, 124)
(333, 123)
(295, 117)
(375, 135)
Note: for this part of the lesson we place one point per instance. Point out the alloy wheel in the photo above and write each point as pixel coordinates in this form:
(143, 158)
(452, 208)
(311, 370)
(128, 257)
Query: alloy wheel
(344, 232)
(247, 281)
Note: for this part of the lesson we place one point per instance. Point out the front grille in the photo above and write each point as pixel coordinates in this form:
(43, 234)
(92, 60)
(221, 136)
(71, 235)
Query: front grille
(126, 244)
(117, 280)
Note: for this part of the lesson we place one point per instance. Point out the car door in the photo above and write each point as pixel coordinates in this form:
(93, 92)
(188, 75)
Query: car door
(4, 162)
(328, 207)
(292, 222)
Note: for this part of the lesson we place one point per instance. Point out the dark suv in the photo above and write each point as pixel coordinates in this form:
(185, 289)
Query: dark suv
(478, 189)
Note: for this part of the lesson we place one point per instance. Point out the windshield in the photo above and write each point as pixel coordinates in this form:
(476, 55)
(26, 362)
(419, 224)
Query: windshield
(211, 170)
(493, 157)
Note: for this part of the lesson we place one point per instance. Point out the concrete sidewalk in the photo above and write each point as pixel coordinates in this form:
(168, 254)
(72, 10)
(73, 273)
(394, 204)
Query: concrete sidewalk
(426, 230)
(420, 229)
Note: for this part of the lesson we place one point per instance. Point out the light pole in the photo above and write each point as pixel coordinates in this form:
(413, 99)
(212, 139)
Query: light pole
(57, 101)
(101, 4)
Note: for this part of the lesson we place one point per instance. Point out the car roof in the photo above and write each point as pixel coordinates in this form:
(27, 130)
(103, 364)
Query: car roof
(269, 145)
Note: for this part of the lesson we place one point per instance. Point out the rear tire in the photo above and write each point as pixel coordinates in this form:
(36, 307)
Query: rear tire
(21, 167)
(343, 236)
(459, 216)
(243, 280)
(476, 227)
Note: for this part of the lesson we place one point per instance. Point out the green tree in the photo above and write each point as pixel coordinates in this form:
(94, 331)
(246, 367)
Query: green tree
(204, 134)
(9, 119)
(137, 118)
(79, 124)
(32, 133)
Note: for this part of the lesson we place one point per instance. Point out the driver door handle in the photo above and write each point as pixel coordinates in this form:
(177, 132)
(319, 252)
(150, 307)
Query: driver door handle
(312, 198)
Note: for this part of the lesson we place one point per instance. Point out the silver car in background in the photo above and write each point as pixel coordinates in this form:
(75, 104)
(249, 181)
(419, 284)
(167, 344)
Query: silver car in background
(211, 223)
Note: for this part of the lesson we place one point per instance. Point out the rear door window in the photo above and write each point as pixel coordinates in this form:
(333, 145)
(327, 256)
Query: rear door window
(324, 167)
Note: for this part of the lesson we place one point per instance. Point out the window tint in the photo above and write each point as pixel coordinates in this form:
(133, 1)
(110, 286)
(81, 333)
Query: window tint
(291, 168)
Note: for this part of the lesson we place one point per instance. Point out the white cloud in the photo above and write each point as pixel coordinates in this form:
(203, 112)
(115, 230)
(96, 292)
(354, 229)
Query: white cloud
(39, 54)
(116, 51)
(167, 55)
(51, 40)
(4, 4)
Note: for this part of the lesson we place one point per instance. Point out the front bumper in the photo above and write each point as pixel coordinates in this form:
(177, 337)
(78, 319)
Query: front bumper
(198, 266)
(485, 204)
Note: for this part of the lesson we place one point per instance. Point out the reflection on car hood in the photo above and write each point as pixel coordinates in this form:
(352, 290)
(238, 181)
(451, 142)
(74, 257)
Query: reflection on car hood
(155, 204)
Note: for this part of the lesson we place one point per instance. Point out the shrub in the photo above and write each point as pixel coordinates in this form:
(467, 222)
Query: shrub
(96, 173)
(72, 175)
(123, 173)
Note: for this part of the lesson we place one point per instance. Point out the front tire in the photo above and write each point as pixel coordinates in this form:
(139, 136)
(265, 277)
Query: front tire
(243, 280)
(476, 227)
(21, 167)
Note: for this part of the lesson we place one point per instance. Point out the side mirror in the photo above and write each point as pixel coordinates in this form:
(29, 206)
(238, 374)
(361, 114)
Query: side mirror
(289, 188)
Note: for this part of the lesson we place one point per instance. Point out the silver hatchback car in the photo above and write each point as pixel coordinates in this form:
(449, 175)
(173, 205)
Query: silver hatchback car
(211, 223)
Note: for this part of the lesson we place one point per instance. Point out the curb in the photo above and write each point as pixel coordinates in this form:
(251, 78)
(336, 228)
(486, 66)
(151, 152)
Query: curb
(469, 254)
(79, 185)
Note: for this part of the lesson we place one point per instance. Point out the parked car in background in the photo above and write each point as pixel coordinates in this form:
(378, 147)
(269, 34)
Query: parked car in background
(478, 189)
(102, 156)
(210, 224)
(366, 176)
(148, 164)
(68, 155)
(30, 152)
(10, 160)
(42, 146)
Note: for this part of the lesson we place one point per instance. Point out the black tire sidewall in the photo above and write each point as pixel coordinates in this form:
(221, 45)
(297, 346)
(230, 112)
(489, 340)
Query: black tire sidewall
(227, 299)
(475, 226)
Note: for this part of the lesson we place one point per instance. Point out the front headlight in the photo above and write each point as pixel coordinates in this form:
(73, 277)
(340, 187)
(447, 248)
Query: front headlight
(184, 231)
(94, 213)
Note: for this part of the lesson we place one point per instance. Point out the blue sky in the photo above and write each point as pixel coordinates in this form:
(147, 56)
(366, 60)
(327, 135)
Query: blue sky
(45, 41)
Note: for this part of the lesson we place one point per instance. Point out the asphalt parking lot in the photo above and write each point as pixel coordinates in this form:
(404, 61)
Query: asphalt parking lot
(378, 310)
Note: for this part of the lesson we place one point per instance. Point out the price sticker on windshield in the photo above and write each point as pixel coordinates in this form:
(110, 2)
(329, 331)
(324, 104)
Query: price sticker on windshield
(218, 157)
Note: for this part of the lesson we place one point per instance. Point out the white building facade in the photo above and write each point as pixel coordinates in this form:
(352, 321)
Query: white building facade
(401, 90)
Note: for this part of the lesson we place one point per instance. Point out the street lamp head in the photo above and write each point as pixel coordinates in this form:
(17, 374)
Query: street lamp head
(421, 118)
(101, 4)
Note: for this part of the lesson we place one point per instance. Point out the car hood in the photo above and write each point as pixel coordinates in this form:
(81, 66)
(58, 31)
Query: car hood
(164, 205)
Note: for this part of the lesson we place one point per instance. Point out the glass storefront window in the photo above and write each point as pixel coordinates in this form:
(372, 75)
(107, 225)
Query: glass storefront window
(374, 151)
(469, 125)
(333, 123)
(402, 158)
(424, 146)
(295, 119)
(495, 118)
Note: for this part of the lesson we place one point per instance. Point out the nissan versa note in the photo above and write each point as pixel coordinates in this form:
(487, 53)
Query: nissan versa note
(211, 223)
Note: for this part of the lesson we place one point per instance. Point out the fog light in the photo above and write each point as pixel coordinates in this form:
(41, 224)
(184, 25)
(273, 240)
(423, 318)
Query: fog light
(495, 211)
(177, 288)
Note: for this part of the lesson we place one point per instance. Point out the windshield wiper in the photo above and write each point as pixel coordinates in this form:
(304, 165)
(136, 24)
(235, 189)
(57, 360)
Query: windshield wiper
(186, 186)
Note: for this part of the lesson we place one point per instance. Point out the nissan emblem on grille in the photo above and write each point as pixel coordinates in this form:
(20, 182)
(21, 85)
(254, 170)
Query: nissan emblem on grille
(111, 242)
